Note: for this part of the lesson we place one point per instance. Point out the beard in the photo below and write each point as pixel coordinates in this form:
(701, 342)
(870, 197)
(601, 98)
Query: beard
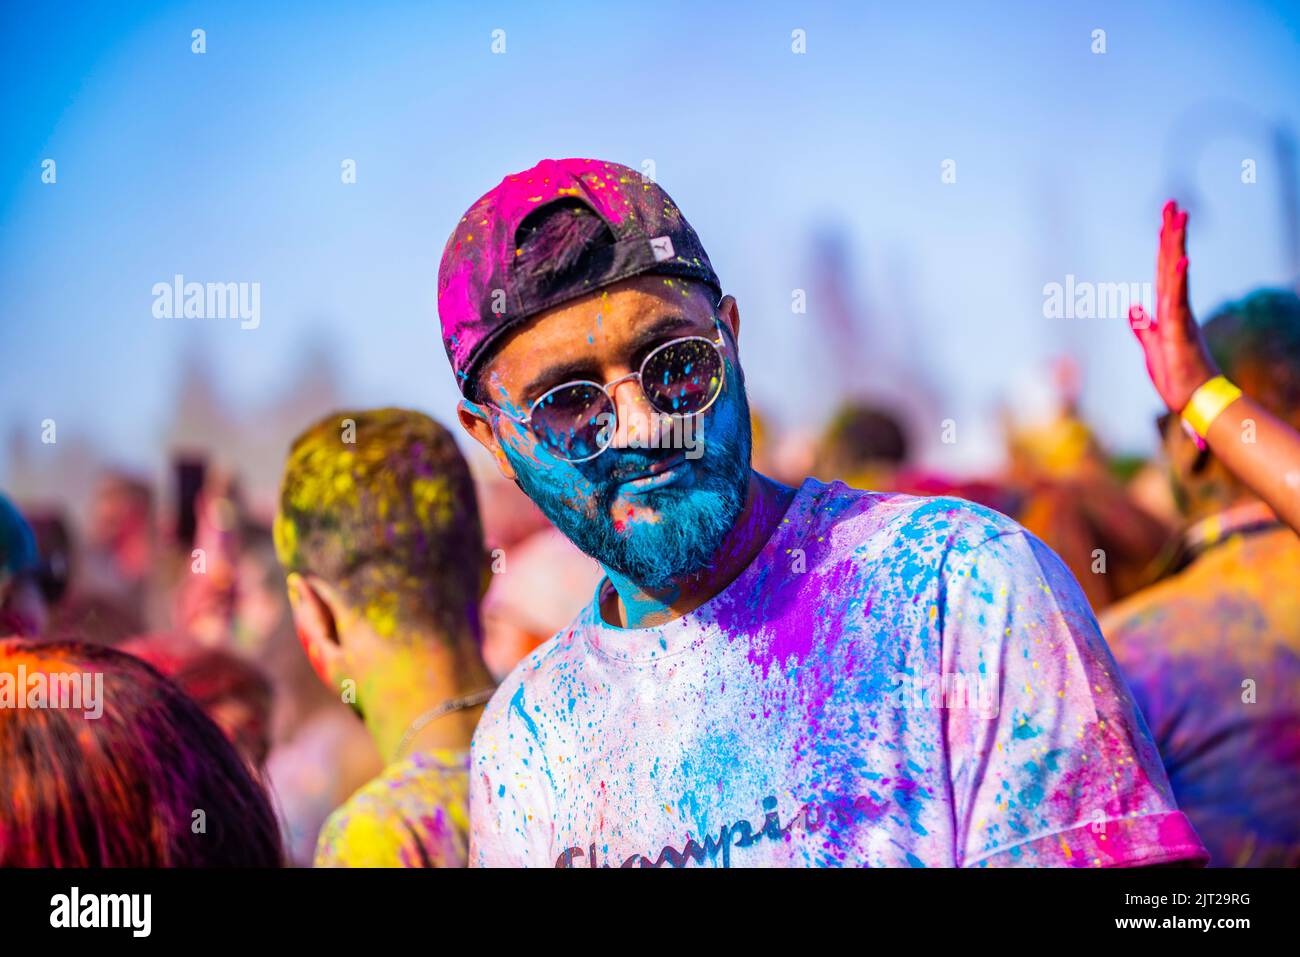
(674, 531)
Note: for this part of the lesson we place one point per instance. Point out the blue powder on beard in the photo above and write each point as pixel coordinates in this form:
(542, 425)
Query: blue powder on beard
(694, 517)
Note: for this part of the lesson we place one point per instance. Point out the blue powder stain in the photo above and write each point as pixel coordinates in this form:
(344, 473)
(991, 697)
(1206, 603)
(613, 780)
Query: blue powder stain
(501, 791)
(572, 702)
(1025, 731)
(1032, 793)
(914, 861)
(1050, 759)
(517, 705)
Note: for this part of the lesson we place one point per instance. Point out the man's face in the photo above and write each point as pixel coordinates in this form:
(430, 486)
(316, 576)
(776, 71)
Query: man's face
(653, 510)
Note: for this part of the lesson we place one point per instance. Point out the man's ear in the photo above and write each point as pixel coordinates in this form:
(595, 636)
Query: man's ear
(314, 620)
(473, 419)
(729, 313)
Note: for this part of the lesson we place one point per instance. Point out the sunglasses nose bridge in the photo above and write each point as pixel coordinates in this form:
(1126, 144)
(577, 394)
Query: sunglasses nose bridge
(632, 409)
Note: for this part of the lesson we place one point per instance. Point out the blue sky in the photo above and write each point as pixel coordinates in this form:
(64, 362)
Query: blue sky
(226, 167)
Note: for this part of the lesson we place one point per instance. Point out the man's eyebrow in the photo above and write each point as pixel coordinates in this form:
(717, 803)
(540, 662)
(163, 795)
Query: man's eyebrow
(555, 375)
(657, 328)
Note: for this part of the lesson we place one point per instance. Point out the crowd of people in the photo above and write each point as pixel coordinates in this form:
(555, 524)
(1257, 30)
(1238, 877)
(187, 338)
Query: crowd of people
(618, 653)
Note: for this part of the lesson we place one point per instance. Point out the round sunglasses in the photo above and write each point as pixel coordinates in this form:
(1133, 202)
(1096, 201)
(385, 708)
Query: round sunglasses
(575, 421)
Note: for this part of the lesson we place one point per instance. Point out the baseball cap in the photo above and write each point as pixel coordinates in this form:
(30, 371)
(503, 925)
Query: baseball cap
(482, 291)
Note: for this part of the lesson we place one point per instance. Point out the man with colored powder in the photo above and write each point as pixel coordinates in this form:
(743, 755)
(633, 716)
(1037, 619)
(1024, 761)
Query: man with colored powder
(378, 531)
(766, 675)
(1212, 652)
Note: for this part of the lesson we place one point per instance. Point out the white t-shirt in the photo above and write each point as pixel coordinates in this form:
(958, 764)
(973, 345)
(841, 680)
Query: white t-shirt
(894, 681)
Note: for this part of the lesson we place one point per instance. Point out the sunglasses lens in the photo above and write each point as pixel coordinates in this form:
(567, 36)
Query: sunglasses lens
(574, 421)
(683, 377)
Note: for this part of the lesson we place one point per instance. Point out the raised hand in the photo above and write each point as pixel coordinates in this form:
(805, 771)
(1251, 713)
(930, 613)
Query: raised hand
(1177, 359)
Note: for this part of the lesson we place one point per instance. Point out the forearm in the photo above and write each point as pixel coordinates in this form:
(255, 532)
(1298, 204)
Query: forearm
(1263, 452)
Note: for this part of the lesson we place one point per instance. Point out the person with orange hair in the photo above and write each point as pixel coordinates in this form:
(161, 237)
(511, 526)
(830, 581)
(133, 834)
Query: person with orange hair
(105, 763)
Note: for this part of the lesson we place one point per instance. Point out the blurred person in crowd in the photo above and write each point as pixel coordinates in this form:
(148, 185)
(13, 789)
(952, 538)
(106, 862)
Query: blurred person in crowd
(379, 535)
(537, 586)
(737, 690)
(1045, 432)
(119, 555)
(113, 586)
(230, 598)
(127, 773)
(1069, 495)
(22, 603)
(867, 447)
(55, 547)
(230, 690)
(95, 618)
(207, 589)
(863, 446)
(1102, 534)
(1212, 653)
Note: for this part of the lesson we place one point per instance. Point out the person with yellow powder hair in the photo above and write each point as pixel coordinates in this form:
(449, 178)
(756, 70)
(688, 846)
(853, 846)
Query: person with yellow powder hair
(379, 535)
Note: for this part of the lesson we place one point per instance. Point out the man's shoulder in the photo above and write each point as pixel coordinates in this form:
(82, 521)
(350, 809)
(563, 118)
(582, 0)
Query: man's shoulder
(934, 525)
(404, 787)
(372, 827)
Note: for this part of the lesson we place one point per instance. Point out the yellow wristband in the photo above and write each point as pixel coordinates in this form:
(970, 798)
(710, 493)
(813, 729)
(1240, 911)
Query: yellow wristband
(1207, 404)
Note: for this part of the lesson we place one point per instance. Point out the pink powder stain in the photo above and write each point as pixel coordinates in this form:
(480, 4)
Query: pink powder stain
(485, 229)
(792, 636)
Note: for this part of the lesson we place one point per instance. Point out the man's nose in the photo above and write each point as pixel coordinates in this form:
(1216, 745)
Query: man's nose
(635, 415)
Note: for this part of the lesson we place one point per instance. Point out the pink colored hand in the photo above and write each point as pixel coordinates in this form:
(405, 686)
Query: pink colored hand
(1177, 359)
